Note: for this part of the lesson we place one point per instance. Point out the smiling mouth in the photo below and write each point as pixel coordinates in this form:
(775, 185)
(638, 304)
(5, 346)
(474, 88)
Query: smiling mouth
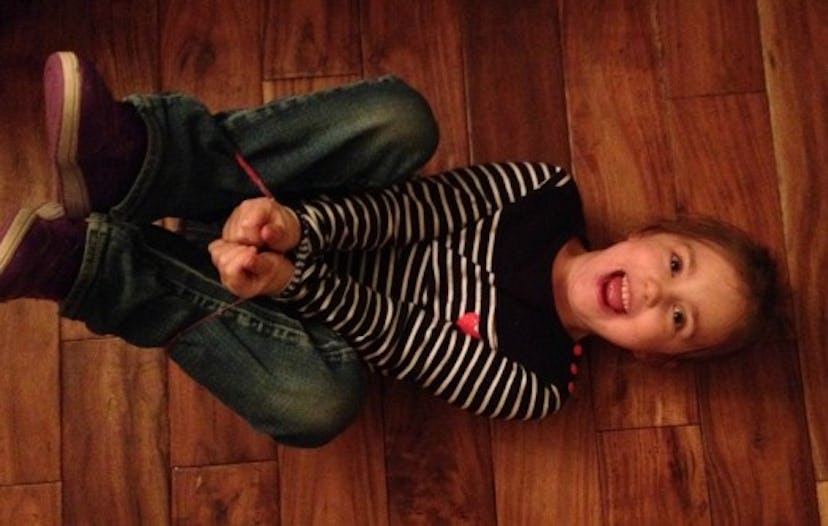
(615, 292)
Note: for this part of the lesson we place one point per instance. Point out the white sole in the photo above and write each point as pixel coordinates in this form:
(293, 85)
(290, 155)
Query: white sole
(75, 196)
(20, 226)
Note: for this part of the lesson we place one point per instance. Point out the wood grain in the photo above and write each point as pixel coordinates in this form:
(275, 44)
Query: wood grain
(438, 461)
(31, 505)
(622, 163)
(710, 47)
(421, 42)
(527, 120)
(29, 393)
(305, 38)
(115, 434)
(234, 494)
(212, 49)
(723, 153)
(758, 464)
(632, 394)
(764, 383)
(658, 119)
(29, 385)
(546, 473)
(654, 476)
(344, 481)
(432, 475)
(205, 431)
(510, 118)
(793, 38)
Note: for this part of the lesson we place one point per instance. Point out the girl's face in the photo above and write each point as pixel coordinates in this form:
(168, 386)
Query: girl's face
(656, 294)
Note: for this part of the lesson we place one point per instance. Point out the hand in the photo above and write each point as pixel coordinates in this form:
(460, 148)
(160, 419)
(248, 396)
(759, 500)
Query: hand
(246, 272)
(263, 222)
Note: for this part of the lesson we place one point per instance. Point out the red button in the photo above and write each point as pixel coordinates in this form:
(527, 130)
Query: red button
(469, 323)
(571, 387)
(573, 368)
(578, 350)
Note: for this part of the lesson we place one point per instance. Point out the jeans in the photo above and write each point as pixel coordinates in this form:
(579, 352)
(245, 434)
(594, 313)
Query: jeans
(295, 380)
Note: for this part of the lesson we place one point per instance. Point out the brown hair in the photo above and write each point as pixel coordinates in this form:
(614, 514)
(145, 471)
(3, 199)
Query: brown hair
(753, 264)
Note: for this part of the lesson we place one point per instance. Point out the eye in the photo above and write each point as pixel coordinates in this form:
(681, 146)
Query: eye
(679, 319)
(675, 264)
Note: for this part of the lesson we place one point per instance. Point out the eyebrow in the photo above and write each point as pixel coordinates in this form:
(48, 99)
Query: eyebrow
(694, 310)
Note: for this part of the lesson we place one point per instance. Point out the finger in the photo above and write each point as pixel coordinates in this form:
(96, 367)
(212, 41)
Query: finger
(244, 224)
(283, 232)
(271, 272)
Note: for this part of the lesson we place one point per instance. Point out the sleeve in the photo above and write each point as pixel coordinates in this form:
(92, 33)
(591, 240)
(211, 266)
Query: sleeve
(422, 208)
(408, 342)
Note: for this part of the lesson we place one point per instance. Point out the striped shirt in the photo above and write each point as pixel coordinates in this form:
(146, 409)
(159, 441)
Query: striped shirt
(446, 281)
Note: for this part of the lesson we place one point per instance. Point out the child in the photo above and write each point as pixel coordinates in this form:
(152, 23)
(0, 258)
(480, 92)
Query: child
(475, 283)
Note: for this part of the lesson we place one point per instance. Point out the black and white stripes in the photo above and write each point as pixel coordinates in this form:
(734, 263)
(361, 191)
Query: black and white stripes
(393, 270)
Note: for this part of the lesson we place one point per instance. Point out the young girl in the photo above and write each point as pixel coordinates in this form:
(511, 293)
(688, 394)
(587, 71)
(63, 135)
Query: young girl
(475, 283)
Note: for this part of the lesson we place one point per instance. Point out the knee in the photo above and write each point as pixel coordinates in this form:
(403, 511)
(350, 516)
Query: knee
(403, 117)
(315, 416)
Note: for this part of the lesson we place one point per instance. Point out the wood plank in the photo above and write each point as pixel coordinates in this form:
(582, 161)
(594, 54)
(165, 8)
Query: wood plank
(748, 400)
(510, 118)
(793, 37)
(348, 474)
(421, 42)
(547, 472)
(213, 50)
(32, 505)
(436, 455)
(29, 398)
(305, 38)
(632, 394)
(654, 476)
(114, 427)
(205, 431)
(621, 160)
(557, 456)
(758, 464)
(274, 89)
(722, 171)
(710, 47)
(342, 482)
(233, 494)
(438, 461)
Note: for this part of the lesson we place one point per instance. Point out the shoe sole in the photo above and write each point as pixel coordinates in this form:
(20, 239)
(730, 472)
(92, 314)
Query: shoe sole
(20, 226)
(63, 111)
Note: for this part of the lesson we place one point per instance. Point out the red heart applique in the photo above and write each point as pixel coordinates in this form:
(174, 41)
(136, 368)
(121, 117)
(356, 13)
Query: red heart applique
(470, 323)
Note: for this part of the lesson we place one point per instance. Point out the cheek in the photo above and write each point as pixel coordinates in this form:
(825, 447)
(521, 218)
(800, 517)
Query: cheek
(644, 333)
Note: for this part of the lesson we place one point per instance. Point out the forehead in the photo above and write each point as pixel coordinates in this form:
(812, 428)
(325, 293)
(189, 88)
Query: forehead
(715, 292)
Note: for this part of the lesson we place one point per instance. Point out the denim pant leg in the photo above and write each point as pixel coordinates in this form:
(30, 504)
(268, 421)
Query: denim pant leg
(293, 380)
(364, 135)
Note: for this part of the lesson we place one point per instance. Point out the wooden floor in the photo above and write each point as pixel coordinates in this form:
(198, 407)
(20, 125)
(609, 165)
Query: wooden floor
(656, 106)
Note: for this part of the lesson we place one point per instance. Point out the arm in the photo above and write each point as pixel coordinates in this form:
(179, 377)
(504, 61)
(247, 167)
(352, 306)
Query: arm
(420, 209)
(409, 342)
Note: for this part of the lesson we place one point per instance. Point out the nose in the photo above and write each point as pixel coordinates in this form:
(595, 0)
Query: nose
(652, 292)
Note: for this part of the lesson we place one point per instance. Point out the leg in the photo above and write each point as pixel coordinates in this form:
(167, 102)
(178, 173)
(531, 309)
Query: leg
(354, 137)
(298, 382)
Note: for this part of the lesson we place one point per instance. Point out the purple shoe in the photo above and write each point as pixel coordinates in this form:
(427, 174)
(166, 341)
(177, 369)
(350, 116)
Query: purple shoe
(41, 251)
(97, 144)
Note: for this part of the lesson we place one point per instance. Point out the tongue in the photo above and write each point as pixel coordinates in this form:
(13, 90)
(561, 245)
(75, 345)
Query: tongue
(612, 294)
